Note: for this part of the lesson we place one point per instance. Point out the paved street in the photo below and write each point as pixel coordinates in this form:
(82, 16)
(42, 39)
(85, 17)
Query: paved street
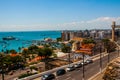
(90, 69)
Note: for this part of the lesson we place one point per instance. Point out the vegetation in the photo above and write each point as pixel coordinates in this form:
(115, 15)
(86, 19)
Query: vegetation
(42, 52)
(33, 67)
(11, 63)
(13, 51)
(88, 41)
(66, 48)
(59, 39)
(109, 46)
(26, 75)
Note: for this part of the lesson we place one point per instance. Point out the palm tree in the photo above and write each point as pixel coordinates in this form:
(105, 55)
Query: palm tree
(66, 49)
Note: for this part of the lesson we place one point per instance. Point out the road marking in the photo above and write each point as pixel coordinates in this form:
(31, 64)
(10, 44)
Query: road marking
(68, 78)
(68, 75)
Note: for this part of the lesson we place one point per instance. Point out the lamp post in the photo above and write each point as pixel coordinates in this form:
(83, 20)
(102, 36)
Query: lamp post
(100, 59)
(108, 55)
(69, 58)
(118, 51)
(83, 78)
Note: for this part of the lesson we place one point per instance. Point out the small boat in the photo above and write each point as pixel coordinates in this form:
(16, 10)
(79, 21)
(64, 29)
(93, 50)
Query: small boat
(9, 38)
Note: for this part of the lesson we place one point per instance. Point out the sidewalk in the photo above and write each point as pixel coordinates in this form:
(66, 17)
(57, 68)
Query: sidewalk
(98, 77)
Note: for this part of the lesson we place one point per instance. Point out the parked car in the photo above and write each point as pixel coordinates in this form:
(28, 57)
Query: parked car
(70, 68)
(48, 77)
(89, 61)
(78, 65)
(60, 72)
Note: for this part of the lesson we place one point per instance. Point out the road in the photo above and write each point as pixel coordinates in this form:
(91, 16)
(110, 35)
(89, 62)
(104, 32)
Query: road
(90, 69)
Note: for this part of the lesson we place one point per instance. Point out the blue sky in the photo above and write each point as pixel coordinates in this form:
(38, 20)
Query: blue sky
(19, 15)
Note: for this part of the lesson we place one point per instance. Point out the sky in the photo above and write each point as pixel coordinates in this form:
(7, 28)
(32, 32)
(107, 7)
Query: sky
(37, 15)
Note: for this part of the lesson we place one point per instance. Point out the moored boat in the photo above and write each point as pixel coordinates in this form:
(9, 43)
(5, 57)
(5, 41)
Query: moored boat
(9, 38)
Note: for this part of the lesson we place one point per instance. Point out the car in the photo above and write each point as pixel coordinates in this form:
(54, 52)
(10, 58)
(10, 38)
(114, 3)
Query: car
(48, 76)
(89, 61)
(85, 63)
(78, 65)
(70, 68)
(60, 72)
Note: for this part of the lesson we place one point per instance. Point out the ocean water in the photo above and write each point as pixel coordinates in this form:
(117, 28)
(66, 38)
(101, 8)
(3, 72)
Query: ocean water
(24, 39)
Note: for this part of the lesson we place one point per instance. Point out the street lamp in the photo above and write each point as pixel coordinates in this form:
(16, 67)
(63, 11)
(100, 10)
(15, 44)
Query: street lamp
(118, 51)
(100, 58)
(83, 67)
(108, 55)
(69, 58)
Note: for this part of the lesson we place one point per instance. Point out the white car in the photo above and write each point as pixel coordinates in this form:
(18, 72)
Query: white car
(70, 68)
(78, 65)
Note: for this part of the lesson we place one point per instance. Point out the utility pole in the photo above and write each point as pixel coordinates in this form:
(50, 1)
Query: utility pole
(118, 51)
(100, 58)
(69, 58)
(83, 68)
(108, 55)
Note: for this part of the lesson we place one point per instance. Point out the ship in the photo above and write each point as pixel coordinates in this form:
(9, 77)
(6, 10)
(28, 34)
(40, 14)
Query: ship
(9, 38)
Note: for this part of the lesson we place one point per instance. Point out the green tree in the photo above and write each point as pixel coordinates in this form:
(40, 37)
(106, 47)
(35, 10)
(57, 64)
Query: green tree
(109, 46)
(47, 52)
(25, 54)
(88, 41)
(59, 39)
(33, 49)
(13, 51)
(66, 49)
(106, 43)
(40, 52)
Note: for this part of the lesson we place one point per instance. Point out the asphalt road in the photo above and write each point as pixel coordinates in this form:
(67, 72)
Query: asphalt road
(90, 69)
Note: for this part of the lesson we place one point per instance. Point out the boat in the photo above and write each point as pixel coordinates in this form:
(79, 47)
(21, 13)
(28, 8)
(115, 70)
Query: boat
(9, 38)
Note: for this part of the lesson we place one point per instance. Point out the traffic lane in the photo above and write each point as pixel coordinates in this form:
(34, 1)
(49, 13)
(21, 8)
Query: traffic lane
(77, 74)
(94, 68)
(90, 69)
(68, 76)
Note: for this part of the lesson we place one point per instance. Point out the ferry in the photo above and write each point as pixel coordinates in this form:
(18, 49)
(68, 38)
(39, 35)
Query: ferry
(9, 38)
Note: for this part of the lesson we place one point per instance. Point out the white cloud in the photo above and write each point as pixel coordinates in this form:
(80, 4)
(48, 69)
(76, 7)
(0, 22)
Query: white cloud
(98, 23)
